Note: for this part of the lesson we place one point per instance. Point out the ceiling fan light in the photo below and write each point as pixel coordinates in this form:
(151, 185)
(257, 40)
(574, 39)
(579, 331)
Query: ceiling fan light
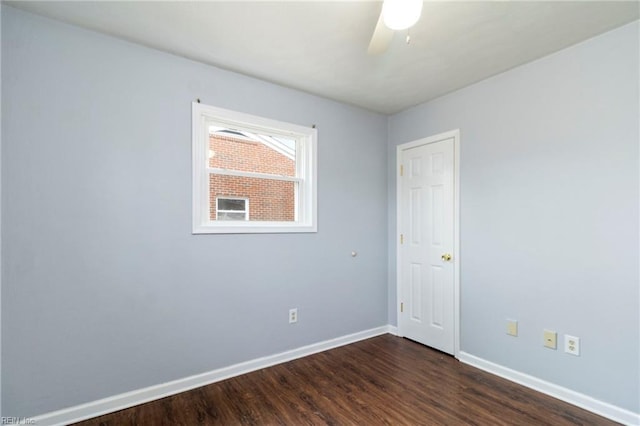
(401, 14)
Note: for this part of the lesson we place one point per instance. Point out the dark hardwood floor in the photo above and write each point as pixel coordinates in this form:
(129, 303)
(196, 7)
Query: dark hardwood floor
(385, 380)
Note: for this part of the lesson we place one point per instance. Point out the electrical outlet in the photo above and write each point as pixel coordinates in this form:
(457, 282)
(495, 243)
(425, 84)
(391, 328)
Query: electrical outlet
(293, 315)
(512, 328)
(572, 345)
(550, 339)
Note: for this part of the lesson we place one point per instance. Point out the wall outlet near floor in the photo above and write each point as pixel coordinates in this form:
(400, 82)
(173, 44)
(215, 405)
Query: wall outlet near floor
(550, 339)
(572, 345)
(293, 315)
(512, 327)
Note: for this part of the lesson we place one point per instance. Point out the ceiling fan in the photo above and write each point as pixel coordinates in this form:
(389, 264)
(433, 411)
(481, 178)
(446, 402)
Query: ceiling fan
(395, 15)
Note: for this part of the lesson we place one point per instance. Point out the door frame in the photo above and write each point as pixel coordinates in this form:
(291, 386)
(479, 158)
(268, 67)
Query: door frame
(455, 134)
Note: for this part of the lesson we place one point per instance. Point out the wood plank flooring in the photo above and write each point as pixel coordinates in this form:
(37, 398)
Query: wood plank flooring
(385, 380)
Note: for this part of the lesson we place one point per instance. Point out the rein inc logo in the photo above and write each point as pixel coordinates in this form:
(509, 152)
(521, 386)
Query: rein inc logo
(17, 421)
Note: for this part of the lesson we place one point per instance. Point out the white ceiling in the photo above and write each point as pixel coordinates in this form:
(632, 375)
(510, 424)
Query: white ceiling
(321, 47)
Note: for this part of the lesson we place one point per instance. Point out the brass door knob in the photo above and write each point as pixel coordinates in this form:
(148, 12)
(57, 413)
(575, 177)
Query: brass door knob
(446, 257)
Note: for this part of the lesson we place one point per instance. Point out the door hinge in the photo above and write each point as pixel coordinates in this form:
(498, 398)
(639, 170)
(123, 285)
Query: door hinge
(401, 170)
(401, 306)
(401, 239)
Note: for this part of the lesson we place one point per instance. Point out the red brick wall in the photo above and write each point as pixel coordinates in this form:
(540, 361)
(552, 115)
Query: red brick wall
(269, 200)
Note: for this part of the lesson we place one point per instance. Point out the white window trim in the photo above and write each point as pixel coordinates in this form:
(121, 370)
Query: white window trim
(306, 171)
(246, 206)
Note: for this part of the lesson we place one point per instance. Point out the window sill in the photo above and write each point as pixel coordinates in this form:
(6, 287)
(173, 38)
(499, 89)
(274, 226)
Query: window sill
(254, 228)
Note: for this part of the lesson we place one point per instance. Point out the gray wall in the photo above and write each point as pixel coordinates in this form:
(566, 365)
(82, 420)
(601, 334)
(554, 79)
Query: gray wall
(549, 213)
(105, 290)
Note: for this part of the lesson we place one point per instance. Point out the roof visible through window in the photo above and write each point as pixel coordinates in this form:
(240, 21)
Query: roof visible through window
(284, 146)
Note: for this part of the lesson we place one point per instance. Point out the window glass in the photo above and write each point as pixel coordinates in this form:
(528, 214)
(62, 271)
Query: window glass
(251, 152)
(270, 200)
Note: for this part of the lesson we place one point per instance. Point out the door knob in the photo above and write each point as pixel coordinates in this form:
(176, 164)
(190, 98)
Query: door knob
(446, 257)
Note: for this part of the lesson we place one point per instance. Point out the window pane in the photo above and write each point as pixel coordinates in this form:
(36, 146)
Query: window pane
(227, 204)
(251, 152)
(231, 216)
(269, 199)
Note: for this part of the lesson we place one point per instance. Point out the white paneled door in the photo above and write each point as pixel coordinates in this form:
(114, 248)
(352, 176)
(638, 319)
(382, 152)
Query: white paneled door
(427, 237)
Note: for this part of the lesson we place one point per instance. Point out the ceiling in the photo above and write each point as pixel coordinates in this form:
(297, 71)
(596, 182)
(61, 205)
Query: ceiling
(321, 47)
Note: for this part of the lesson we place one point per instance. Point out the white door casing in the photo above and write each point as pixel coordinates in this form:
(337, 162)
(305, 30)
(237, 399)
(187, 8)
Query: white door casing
(428, 231)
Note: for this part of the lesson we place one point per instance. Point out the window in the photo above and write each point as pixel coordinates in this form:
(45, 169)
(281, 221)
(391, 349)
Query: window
(232, 209)
(251, 174)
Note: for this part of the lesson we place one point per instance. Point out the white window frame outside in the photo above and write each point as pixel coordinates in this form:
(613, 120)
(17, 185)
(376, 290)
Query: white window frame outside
(204, 116)
(245, 211)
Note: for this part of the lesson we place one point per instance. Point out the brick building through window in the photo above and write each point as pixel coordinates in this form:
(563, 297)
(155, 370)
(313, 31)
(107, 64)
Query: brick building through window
(265, 199)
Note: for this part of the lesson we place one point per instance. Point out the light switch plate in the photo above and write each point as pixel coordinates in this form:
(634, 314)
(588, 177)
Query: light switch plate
(512, 327)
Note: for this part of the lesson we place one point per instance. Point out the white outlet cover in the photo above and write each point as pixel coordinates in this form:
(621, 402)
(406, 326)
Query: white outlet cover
(293, 316)
(572, 345)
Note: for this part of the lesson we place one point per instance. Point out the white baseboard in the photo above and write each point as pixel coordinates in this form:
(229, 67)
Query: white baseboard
(392, 329)
(583, 401)
(140, 396)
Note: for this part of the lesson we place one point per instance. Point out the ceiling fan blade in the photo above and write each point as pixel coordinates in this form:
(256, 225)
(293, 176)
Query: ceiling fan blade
(381, 38)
